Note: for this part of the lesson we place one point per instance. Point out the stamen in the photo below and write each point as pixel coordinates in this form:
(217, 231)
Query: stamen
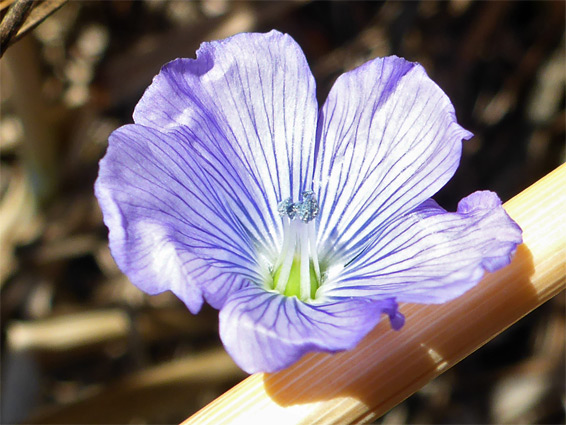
(314, 252)
(297, 270)
(308, 209)
(305, 269)
(286, 208)
(286, 242)
(289, 248)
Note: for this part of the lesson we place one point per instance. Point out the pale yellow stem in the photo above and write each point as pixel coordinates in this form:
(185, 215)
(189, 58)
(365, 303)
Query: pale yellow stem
(388, 366)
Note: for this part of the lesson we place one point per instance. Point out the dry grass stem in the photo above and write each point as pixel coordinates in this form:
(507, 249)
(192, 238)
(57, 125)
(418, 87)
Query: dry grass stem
(387, 367)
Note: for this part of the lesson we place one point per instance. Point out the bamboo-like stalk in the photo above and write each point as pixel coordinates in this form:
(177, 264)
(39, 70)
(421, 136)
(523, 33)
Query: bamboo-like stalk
(387, 366)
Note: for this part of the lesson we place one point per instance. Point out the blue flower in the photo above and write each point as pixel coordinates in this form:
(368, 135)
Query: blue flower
(303, 227)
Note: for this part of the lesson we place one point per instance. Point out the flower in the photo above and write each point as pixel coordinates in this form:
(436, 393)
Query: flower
(301, 226)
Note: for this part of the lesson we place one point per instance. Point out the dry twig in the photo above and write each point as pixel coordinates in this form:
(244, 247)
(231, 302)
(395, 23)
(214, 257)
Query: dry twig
(21, 19)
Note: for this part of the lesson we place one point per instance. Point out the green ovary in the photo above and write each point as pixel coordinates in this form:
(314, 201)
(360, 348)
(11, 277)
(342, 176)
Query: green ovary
(293, 286)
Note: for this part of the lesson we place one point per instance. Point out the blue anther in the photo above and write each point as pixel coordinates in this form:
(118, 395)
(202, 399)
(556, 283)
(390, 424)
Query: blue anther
(306, 210)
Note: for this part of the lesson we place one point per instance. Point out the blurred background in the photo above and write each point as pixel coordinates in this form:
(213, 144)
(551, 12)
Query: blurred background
(80, 344)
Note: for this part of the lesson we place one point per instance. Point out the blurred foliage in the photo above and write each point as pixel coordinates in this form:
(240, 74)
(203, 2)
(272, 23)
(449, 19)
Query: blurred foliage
(80, 344)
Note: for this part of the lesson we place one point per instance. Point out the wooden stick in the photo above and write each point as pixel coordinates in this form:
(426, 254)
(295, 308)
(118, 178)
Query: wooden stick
(360, 385)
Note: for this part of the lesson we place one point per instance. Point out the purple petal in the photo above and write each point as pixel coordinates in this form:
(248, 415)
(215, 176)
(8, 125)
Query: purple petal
(253, 98)
(170, 227)
(265, 332)
(431, 256)
(190, 192)
(388, 141)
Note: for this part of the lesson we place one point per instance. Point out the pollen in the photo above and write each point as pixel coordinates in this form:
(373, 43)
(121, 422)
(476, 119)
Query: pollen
(306, 210)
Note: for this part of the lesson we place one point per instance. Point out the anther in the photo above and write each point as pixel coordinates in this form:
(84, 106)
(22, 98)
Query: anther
(286, 208)
(306, 210)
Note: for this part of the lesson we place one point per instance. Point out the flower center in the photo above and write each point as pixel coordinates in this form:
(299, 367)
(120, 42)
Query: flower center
(297, 271)
(293, 286)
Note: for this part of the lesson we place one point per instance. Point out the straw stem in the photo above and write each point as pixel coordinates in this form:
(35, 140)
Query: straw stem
(388, 366)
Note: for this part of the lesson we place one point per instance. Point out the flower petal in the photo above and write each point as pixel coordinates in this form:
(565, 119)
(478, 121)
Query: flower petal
(265, 332)
(430, 255)
(388, 141)
(171, 227)
(219, 141)
(254, 96)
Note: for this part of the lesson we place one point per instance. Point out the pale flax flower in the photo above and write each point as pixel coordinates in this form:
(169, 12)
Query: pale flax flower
(302, 226)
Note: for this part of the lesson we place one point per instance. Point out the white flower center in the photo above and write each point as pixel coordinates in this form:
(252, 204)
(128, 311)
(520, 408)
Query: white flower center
(297, 270)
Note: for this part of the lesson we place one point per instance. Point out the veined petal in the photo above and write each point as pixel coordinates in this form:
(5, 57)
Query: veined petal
(254, 97)
(224, 137)
(171, 225)
(388, 140)
(223, 143)
(430, 255)
(264, 331)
